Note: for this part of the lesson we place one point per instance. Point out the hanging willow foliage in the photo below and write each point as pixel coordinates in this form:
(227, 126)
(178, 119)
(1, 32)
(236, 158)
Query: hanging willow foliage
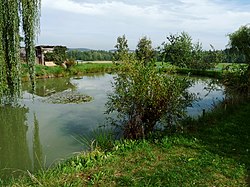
(13, 14)
(30, 15)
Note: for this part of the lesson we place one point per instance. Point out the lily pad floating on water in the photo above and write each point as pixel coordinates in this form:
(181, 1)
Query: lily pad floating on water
(68, 97)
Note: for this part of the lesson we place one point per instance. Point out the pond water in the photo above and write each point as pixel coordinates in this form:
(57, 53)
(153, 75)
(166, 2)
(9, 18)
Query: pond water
(37, 134)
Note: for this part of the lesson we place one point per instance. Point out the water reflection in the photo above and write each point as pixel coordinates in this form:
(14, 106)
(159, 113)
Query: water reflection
(14, 152)
(47, 87)
(14, 149)
(60, 123)
(208, 92)
(38, 130)
(37, 147)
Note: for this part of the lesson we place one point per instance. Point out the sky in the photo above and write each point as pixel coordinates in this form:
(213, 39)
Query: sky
(96, 24)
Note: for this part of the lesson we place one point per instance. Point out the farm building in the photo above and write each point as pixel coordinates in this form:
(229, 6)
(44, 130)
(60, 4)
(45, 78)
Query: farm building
(41, 51)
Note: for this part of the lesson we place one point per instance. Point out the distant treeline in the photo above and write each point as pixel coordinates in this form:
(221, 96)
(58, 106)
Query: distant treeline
(92, 55)
(221, 56)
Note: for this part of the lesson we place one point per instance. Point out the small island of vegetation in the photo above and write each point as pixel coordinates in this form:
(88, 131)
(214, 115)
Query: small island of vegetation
(67, 97)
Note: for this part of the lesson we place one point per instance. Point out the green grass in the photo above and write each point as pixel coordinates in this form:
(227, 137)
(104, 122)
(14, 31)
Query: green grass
(44, 71)
(218, 67)
(97, 67)
(58, 71)
(213, 151)
(99, 61)
(217, 72)
(222, 66)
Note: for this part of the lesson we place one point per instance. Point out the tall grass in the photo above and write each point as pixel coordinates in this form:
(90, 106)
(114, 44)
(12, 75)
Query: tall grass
(102, 138)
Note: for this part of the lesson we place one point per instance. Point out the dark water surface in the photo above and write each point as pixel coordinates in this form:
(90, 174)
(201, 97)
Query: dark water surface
(37, 134)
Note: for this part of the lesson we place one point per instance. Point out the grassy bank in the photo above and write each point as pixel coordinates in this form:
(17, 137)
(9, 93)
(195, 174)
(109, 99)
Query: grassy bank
(213, 151)
(99, 66)
(58, 71)
(217, 72)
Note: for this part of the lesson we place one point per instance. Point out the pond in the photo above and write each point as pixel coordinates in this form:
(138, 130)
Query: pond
(37, 133)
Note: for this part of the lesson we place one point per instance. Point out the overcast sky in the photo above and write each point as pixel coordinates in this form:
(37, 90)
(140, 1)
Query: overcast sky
(96, 24)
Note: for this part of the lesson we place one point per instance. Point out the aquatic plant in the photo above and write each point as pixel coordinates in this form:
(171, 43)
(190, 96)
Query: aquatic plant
(67, 97)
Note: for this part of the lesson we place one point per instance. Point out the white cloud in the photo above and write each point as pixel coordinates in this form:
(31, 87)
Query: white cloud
(204, 18)
(115, 9)
(71, 6)
(184, 11)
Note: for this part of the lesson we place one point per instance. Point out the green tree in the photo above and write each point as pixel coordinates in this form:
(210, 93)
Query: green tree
(122, 51)
(16, 14)
(240, 41)
(178, 49)
(144, 51)
(59, 54)
(144, 97)
(182, 52)
(214, 56)
(199, 58)
(93, 55)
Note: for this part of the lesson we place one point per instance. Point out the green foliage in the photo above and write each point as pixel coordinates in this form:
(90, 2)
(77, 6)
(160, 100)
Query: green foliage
(92, 55)
(10, 82)
(144, 97)
(180, 51)
(144, 51)
(196, 60)
(212, 57)
(67, 97)
(232, 56)
(58, 55)
(30, 19)
(98, 139)
(236, 81)
(122, 51)
(49, 56)
(16, 14)
(239, 41)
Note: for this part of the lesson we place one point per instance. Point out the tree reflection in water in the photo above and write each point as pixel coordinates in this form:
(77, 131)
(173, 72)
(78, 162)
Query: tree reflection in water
(48, 87)
(14, 150)
(37, 147)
